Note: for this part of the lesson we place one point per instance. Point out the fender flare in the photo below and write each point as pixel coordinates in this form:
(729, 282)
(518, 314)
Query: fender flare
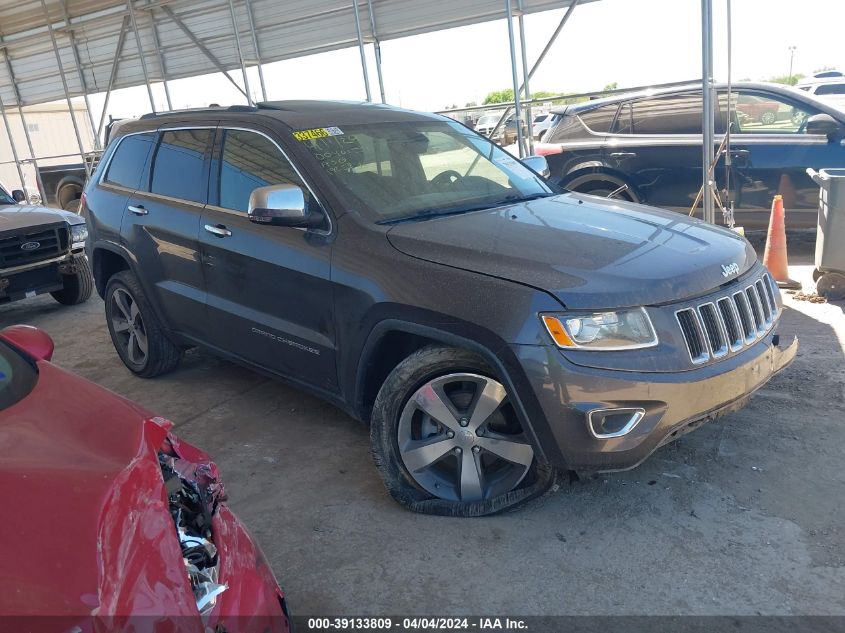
(525, 403)
(132, 263)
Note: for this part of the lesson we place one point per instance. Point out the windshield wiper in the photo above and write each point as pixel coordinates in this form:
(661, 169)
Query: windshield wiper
(439, 213)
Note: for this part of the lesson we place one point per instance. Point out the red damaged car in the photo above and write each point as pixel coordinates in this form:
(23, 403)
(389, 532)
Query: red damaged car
(107, 516)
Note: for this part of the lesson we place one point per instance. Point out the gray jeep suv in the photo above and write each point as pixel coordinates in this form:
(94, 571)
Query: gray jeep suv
(491, 330)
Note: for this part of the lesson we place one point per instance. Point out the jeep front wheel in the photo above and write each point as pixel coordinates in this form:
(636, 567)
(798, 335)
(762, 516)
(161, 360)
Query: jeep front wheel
(446, 438)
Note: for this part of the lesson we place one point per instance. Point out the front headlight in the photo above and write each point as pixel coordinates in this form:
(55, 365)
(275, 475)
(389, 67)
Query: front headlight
(615, 330)
(78, 234)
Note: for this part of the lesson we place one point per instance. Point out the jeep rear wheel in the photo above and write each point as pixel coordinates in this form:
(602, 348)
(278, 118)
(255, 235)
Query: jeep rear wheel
(447, 440)
(135, 331)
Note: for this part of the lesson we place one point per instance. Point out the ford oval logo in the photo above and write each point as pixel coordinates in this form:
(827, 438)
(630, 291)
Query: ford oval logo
(30, 246)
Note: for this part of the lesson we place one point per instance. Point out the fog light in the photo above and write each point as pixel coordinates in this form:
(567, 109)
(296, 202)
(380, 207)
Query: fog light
(608, 423)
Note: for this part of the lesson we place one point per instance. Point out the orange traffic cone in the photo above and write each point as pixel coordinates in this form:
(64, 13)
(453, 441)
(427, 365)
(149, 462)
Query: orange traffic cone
(774, 257)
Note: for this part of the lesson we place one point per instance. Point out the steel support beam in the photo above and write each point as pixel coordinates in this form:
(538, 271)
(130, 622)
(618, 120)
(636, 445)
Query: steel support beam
(157, 45)
(376, 49)
(551, 41)
(202, 47)
(11, 73)
(361, 50)
(525, 79)
(121, 38)
(254, 36)
(65, 87)
(78, 62)
(240, 52)
(708, 118)
(516, 88)
(143, 61)
(12, 143)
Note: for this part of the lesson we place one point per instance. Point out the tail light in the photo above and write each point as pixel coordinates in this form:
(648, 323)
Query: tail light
(547, 149)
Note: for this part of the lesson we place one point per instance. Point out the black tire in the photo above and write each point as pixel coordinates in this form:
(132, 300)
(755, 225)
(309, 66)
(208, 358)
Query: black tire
(403, 382)
(161, 354)
(73, 206)
(78, 286)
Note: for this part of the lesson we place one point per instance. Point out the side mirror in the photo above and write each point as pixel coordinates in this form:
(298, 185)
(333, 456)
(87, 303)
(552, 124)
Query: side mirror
(538, 164)
(18, 195)
(281, 205)
(35, 342)
(824, 124)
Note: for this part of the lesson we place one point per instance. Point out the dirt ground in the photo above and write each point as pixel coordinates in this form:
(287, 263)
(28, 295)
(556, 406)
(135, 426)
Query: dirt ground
(744, 516)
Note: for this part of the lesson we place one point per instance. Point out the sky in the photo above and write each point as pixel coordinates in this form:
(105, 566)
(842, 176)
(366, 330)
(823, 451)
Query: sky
(631, 42)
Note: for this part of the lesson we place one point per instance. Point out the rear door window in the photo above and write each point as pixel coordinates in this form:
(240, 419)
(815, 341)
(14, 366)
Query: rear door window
(249, 161)
(674, 114)
(130, 158)
(179, 166)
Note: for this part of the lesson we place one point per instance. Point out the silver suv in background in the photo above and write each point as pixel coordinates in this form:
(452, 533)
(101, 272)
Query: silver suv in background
(828, 86)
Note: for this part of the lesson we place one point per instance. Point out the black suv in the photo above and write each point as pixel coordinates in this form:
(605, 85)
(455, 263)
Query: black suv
(649, 143)
(492, 331)
(42, 250)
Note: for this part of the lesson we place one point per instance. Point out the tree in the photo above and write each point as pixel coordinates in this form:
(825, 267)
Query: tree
(543, 94)
(611, 86)
(499, 96)
(470, 104)
(786, 79)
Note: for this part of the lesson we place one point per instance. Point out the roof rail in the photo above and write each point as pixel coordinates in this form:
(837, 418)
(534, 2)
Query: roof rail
(211, 108)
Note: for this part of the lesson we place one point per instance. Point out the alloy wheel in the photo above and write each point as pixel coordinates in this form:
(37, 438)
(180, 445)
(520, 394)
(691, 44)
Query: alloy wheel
(128, 326)
(460, 439)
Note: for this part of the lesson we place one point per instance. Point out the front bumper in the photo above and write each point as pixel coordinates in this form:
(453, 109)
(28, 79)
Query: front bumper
(23, 282)
(672, 402)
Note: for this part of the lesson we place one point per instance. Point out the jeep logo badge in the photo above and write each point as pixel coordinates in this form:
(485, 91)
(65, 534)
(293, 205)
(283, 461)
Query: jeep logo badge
(30, 246)
(730, 269)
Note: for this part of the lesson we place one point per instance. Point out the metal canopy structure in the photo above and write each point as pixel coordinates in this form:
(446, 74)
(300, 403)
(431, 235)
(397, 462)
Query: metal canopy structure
(61, 49)
(186, 38)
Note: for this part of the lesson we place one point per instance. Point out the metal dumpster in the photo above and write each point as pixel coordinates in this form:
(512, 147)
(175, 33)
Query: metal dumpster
(829, 274)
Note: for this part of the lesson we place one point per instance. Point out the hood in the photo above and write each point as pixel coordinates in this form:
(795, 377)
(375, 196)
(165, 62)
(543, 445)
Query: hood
(589, 252)
(84, 505)
(19, 216)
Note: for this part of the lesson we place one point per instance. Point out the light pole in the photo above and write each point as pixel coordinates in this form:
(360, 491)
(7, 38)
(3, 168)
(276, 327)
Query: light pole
(791, 57)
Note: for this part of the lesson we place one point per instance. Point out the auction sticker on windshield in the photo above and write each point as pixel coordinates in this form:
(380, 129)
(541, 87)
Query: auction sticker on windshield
(319, 132)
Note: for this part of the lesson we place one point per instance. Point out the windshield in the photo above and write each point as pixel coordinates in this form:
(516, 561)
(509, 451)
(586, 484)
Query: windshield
(5, 198)
(17, 376)
(489, 119)
(399, 171)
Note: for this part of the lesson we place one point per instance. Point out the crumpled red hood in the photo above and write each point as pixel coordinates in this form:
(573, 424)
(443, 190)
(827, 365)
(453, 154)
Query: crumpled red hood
(86, 529)
(85, 517)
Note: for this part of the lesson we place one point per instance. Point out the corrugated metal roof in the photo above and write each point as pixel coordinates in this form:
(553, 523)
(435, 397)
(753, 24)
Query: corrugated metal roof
(284, 29)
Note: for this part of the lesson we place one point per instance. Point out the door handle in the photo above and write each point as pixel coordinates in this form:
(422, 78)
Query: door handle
(219, 230)
(623, 155)
(138, 210)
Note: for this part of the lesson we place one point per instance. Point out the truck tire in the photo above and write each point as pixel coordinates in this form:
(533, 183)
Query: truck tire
(446, 439)
(68, 190)
(77, 286)
(135, 331)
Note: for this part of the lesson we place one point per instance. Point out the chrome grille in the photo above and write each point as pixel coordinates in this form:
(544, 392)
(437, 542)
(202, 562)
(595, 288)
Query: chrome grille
(29, 247)
(729, 323)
